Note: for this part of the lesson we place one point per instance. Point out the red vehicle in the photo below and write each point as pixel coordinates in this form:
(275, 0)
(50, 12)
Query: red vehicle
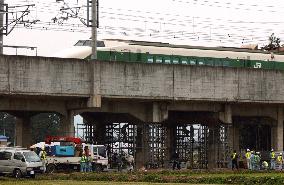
(50, 139)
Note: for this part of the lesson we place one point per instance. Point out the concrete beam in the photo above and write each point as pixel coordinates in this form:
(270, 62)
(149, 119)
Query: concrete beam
(33, 104)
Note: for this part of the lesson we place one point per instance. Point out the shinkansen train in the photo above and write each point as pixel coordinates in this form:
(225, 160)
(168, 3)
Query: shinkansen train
(164, 53)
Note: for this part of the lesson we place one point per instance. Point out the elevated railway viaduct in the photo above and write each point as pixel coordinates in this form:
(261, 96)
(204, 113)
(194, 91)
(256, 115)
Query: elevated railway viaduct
(150, 110)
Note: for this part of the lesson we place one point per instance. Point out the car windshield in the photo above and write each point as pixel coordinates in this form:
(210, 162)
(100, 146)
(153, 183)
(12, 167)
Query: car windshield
(31, 157)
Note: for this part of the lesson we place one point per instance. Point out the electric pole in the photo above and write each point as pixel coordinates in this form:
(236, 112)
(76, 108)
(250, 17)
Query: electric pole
(1, 25)
(94, 29)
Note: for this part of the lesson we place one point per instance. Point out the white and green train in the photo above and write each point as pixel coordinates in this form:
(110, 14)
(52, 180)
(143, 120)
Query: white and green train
(164, 53)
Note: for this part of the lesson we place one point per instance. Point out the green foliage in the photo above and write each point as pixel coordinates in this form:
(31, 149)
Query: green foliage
(274, 43)
(165, 176)
(41, 124)
(7, 125)
(44, 124)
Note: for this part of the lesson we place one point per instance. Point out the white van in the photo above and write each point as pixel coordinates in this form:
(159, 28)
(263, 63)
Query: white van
(19, 162)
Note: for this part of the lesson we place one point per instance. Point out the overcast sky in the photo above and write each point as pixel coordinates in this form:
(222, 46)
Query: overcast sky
(191, 22)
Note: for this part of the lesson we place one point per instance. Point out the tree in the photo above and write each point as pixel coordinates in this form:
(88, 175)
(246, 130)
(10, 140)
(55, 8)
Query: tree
(44, 124)
(7, 126)
(41, 124)
(274, 43)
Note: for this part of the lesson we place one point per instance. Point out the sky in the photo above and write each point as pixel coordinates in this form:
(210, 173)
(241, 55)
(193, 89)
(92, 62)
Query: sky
(190, 22)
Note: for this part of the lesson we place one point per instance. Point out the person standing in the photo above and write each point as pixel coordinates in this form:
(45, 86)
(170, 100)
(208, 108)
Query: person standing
(248, 155)
(42, 155)
(175, 159)
(83, 163)
(272, 159)
(257, 160)
(280, 161)
(90, 163)
(252, 163)
(234, 158)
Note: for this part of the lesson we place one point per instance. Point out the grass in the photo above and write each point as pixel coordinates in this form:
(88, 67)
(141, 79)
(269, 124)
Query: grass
(156, 176)
(68, 182)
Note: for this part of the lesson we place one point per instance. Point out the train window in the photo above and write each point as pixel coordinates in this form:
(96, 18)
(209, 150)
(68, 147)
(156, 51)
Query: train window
(167, 60)
(80, 43)
(150, 59)
(201, 62)
(192, 62)
(184, 61)
(100, 44)
(159, 59)
(175, 61)
(226, 62)
(89, 43)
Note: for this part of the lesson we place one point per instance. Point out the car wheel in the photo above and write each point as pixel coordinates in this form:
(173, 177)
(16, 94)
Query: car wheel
(98, 168)
(51, 168)
(17, 173)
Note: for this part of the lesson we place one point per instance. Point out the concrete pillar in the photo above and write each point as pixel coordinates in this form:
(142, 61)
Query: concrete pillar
(234, 137)
(169, 143)
(213, 147)
(159, 112)
(226, 115)
(233, 131)
(277, 131)
(141, 157)
(23, 132)
(100, 133)
(67, 124)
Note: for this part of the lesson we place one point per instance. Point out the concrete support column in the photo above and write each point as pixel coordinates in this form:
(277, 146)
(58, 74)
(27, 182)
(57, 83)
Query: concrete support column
(159, 113)
(213, 147)
(67, 124)
(142, 147)
(100, 133)
(169, 143)
(233, 130)
(234, 137)
(277, 131)
(23, 132)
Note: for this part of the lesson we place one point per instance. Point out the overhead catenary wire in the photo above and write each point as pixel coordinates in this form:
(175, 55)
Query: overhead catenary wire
(164, 24)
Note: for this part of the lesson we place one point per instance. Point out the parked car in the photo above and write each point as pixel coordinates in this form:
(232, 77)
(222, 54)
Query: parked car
(20, 162)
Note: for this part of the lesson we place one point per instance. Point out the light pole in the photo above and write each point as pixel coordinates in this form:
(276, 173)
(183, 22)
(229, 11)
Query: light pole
(1, 25)
(94, 29)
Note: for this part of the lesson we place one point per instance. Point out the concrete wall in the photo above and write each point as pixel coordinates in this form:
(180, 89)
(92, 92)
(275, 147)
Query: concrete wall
(21, 75)
(180, 82)
(43, 76)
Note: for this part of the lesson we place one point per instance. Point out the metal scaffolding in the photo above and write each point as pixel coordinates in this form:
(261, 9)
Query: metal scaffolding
(197, 145)
(156, 135)
(191, 145)
(121, 139)
(223, 151)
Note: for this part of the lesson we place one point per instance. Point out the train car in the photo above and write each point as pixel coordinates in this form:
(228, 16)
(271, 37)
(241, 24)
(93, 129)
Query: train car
(164, 53)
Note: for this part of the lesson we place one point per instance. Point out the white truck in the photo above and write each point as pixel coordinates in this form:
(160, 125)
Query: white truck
(98, 156)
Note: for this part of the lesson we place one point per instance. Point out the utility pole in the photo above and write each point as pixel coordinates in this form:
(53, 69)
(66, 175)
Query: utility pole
(94, 29)
(1, 25)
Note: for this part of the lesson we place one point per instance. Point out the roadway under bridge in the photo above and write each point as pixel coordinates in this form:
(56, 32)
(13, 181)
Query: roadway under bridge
(150, 110)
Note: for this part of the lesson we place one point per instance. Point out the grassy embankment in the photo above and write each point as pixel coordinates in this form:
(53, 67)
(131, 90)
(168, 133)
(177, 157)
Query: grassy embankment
(192, 177)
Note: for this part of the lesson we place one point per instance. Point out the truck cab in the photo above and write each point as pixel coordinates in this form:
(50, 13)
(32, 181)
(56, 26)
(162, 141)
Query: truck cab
(99, 157)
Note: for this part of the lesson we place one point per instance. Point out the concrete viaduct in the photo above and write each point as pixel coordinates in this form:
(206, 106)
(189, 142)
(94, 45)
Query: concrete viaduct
(138, 92)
